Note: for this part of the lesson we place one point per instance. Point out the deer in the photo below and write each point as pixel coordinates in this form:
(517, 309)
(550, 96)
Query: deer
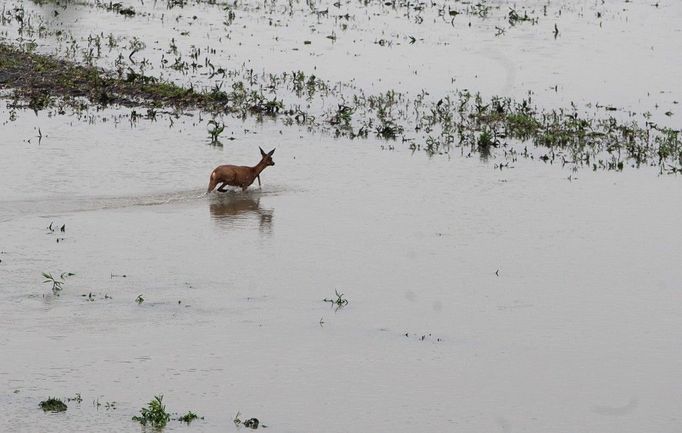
(241, 176)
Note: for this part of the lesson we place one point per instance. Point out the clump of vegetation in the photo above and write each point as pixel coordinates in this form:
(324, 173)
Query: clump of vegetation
(77, 398)
(251, 423)
(515, 17)
(39, 79)
(53, 405)
(389, 129)
(139, 299)
(154, 414)
(522, 125)
(669, 148)
(340, 301)
(460, 119)
(214, 131)
(383, 105)
(485, 139)
(480, 9)
(343, 116)
(189, 417)
(57, 282)
(118, 7)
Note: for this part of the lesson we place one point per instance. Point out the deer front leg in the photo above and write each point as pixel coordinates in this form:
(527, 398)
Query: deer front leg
(222, 186)
(258, 177)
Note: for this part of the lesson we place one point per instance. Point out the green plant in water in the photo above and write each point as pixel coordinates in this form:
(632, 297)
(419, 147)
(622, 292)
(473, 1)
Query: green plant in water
(669, 146)
(388, 129)
(214, 130)
(139, 299)
(342, 117)
(217, 94)
(57, 283)
(515, 17)
(188, 417)
(522, 125)
(53, 405)
(481, 9)
(485, 139)
(154, 414)
(340, 301)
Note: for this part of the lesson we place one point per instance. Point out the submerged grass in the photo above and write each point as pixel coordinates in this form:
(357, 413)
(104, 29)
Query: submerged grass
(38, 79)
(460, 120)
(563, 135)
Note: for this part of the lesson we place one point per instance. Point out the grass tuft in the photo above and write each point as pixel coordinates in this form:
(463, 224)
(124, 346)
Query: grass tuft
(53, 405)
(154, 414)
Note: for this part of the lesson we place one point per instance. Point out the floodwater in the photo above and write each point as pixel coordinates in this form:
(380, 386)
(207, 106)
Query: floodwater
(532, 298)
(577, 331)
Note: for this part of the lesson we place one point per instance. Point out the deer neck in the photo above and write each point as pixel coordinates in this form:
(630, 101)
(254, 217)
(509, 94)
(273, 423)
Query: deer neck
(259, 168)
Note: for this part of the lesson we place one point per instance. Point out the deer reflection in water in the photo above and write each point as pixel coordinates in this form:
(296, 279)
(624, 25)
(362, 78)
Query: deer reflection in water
(232, 209)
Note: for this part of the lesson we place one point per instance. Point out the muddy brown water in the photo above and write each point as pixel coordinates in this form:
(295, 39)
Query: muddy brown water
(578, 329)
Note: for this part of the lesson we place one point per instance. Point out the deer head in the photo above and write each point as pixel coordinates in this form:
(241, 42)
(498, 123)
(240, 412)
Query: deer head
(267, 157)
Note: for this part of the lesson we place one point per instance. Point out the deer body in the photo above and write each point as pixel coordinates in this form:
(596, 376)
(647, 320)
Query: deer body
(239, 175)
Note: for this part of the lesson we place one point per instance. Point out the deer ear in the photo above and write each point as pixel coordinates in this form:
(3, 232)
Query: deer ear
(261, 151)
(271, 152)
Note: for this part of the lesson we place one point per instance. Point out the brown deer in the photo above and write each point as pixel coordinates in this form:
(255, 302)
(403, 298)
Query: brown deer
(241, 176)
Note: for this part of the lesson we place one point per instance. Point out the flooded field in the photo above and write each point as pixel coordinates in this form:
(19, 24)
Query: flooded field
(472, 224)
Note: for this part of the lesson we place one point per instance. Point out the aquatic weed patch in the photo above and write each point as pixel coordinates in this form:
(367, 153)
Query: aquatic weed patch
(56, 282)
(560, 135)
(339, 302)
(460, 120)
(154, 414)
(53, 404)
(39, 79)
(189, 417)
